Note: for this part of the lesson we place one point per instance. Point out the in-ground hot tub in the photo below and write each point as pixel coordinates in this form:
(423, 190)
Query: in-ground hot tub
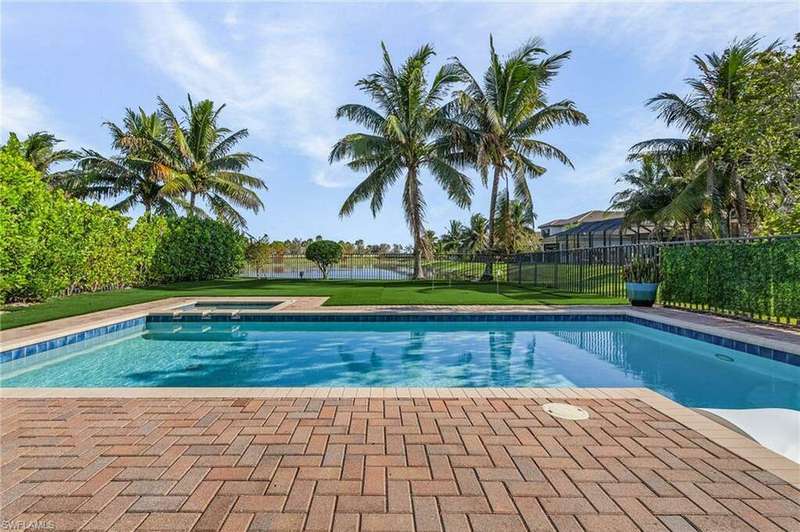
(229, 305)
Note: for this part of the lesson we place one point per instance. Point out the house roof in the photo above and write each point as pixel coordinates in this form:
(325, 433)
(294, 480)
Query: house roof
(599, 226)
(588, 216)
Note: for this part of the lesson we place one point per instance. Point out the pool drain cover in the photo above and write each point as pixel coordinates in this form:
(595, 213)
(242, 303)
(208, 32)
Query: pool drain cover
(565, 411)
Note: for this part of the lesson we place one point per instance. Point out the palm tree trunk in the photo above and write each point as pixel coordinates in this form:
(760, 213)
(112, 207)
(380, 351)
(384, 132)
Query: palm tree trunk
(415, 221)
(741, 204)
(716, 208)
(192, 196)
(488, 272)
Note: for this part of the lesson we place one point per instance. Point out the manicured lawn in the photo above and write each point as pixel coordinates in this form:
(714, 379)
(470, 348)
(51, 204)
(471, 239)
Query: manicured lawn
(340, 293)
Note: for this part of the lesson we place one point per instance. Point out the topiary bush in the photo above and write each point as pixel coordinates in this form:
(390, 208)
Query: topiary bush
(324, 253)
(196, 249)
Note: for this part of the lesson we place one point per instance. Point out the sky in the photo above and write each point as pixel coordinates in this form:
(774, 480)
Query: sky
(282, 68)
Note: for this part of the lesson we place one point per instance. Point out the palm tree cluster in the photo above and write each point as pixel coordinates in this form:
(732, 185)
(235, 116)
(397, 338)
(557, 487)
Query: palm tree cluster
(684, 183)
(451, 123)
(514, 231)
(163, 161)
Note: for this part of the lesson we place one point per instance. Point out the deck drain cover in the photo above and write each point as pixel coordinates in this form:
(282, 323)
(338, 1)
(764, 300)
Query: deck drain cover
(565, 411)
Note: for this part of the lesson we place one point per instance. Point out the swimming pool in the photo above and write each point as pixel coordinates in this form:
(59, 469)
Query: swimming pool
(406, 352)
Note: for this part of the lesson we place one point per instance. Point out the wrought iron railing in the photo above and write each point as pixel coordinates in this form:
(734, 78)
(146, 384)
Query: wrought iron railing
(756, 278)
(381, 267)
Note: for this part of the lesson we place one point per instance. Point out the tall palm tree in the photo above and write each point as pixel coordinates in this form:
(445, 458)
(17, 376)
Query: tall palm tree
(514, 226)
(715, 180)
(136, 172)
(502, 119)
(407, 134)
(198, 148)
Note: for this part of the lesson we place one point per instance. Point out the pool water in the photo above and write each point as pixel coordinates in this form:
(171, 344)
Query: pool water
(406, 354)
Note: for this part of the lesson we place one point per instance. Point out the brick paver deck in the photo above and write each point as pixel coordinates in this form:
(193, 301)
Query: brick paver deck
(373, 464)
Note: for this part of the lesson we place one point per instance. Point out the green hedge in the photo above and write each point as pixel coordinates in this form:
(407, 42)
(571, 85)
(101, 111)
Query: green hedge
(196, 249)
(51, 245)
(759, 278)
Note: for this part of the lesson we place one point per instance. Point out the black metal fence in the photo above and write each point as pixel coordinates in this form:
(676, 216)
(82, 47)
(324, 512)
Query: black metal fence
(756, 278)
(380, 267)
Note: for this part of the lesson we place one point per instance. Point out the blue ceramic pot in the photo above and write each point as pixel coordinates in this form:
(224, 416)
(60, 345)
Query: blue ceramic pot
(642, 294)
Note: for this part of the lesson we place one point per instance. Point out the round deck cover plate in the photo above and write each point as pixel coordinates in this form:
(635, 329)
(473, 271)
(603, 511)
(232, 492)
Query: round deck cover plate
(565, 411)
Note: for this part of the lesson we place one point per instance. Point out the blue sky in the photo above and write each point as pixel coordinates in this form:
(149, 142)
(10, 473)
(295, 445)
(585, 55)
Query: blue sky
(282, 68)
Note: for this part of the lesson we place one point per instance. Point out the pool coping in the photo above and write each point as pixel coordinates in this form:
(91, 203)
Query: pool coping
(719, 434)
(770, 338)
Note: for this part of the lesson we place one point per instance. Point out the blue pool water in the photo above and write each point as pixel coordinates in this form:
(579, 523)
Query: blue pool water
(403, 354)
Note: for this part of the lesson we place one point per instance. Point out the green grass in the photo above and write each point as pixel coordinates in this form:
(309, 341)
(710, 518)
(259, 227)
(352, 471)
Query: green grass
(340, 293)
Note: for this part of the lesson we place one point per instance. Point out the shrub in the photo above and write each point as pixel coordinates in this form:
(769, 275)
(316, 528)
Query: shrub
(24, 200)
(51, 245)
(196, 249)
(324, 253)
(760, 278)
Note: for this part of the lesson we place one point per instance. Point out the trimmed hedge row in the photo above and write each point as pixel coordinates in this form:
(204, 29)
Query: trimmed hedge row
(758, 278)
(51, 245)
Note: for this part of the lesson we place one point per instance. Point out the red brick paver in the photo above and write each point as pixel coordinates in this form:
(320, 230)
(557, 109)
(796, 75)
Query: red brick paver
(372, 464)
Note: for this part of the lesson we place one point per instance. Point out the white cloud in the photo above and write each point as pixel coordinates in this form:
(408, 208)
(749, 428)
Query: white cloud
(328, 178)
(21, 112)
(278, 86)
(652, 30)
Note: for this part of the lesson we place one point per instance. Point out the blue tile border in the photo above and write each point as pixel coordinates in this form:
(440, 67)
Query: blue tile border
(744, 347)
(55, 343)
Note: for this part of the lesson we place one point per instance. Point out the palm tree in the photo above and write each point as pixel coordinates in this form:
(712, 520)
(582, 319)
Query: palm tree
(501, 120)
(652, 187)
(476, 237)
(694, 115)
(431, 244)
(453, 238)
(137, 173)
(197, 148)
(39, 149)
(514, 226)
(407, 134)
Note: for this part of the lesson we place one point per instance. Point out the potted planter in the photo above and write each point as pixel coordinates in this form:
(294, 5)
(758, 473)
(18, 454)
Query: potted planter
(642, 277)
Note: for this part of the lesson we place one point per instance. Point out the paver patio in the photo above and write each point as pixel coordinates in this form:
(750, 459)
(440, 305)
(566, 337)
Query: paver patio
(454, 464)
